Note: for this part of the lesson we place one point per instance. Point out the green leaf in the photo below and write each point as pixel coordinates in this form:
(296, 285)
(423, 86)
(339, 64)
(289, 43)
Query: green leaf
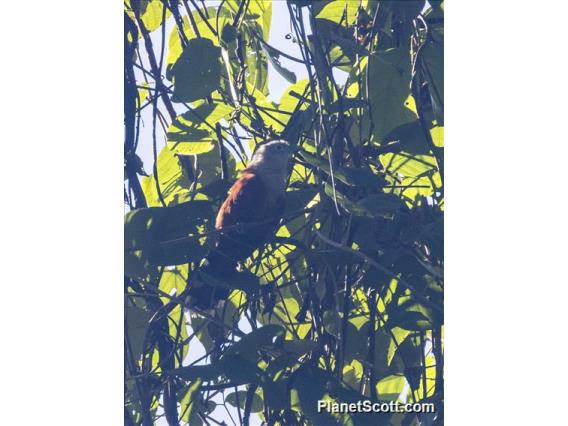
(332, 322)
(299, 347)
(410, 316)
(356, 339)
(197, 72)
(341, 11)
(405, 10)
(257, 405)
(175, 47)
(391, 387)
(152, 16)
(191, 401)
(137, 321)
(413, 162)
(243, 280)
(373, 206)
(198, 372)
(299, 199)
(292, 96)
(174, 182)
(240, 370)
(160, 235)
(378, 205)
(193, 132)
(250, 344)
(309, 385)
(216, 190)
(433, 64)
(275, 394)
(356, 177)
(151, 12)
(258, 12)
(389, 88)
(274, 58)
(209, 166)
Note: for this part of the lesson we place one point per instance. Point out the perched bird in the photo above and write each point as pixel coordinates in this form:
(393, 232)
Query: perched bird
(250, 214)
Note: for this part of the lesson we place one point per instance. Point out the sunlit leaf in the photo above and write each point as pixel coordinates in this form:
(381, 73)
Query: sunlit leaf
(256, 407)
(190, 401)
(193, 132)
(341, 11)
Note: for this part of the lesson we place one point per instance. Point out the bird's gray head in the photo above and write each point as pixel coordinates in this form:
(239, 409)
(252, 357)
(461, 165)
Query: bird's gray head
(270, 161)
(273, 152)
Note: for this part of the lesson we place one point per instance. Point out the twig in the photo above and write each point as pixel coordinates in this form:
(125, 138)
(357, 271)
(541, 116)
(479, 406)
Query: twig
(248, 404)
(378, 266)
(224, 172)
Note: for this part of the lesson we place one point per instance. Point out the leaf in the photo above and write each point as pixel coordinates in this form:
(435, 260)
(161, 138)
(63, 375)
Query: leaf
(352, 373)
(412, 160)
(160, 235)
(258, 12)
(209, 166)
(274, 58)
(175, 47)
(433, 65)
(243, 280)
(389, 88)
(357, 177)
(309, 385)
(240, 370)
(275, 394)
(299, 199)
(193, 132)
(332, 322)
(373, 206)
(405, 10)
(191, 401)
(293, 95)
(411, 316)
(216, 190)
(299, 347)
(250, 344)
(257, 405)
(390, 388)
(377, 205)
(437, 133)
(341, 11)
(137, 321)
(198, 372)
(284, 315)
(151, 12)
(356, 338)
(173, 279)
(174, 183)
(197, 72)
(152, 16)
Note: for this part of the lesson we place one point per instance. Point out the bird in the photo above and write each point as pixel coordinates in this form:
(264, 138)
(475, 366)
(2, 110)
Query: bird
(246, 219)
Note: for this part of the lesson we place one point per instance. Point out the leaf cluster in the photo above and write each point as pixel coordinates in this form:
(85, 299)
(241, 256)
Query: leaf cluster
(345, 302)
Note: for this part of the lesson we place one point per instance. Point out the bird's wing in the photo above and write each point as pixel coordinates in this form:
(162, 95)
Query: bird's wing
(247, 202)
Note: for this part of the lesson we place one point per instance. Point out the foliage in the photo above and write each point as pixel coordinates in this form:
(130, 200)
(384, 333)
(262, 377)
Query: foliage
(346, 301)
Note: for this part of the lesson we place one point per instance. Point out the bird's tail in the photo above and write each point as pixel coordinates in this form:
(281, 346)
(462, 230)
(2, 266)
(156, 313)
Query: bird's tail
(218, 266)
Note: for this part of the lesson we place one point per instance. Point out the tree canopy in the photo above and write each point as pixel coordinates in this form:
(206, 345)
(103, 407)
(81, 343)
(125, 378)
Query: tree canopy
(345, 303)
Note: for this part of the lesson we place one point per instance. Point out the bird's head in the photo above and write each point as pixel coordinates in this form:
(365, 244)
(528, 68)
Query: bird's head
(271, 160)
(273, 153)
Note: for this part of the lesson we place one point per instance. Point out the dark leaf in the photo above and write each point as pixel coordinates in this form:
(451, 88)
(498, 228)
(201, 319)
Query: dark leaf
(197, 72)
